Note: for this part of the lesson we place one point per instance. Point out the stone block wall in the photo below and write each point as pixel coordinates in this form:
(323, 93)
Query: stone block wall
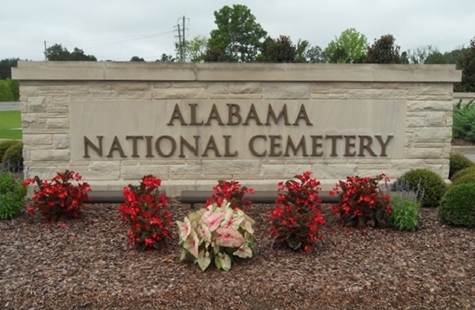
(63, 101)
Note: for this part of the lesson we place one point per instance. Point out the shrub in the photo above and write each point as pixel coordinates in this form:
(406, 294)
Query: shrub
(145, 211)
(361, 203)
(216, 233)
(232, 192)
(59, 198)
(432, 185)
(461, 173)
(458, 162)
(296, 217)
(405, 205)
(13, 157)
(464, 120)
(466, 178)
(4, 146)
(12, 194)
(458, 205)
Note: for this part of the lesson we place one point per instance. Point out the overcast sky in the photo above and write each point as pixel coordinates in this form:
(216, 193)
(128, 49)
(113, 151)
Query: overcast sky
(119, 29)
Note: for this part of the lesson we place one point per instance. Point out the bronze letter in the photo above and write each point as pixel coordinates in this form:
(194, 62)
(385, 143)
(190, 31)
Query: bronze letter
(211, 146)
(177, 115)
(134, 144)
(348, 145)
(227, 152)
(194, 149)
(193, 115)
(233, 111)
(302, 115)
(333, 138)
(383, 145)
(251, 146)
(148, 142)
(271, 114)
(96, 148)
(290, 145)
(366, 146)
(316, 145)
(273, 145)
(252, 114)
(214, 114)
(116, 147)
(159, 150)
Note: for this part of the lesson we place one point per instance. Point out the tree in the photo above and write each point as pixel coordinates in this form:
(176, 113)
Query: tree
(314, 54)
(446, 58)
(59, 53)
(280, 50)
(349, 47)
(6, 93)
(239, 37)
(137, 58)
(166, 58)
(214, 54)
(420, 54)
(195, 49)
(466, 62)
(6, 66)
(384, 51)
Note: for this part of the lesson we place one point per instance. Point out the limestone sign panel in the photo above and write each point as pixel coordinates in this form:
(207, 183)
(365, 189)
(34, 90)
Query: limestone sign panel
(237, 129)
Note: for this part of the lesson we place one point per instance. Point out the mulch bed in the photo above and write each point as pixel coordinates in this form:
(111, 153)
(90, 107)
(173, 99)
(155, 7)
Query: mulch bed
(88, 265)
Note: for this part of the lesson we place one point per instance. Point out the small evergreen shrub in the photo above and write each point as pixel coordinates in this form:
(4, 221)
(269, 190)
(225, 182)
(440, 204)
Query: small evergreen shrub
(464, 179)
(458, 205)
(458, 162)
(464, 120)
(431, 184)
(4, 146)
(461, 173)
(12, 194)
(13, 157)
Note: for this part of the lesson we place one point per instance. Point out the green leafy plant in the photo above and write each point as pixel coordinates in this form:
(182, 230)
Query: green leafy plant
(5, 145)
(432, 185)
(232, 192)
(59, 197)
(12, 195)
(145, 211)
(463, 126)
(457, 207)
(296, 217)
(13, 157)
(458, 162)
(405, 205)
(361, 203)
(216, 233)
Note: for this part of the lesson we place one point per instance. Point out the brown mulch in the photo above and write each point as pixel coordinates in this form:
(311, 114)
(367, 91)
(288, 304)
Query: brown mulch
(88, 265)
(462, 142)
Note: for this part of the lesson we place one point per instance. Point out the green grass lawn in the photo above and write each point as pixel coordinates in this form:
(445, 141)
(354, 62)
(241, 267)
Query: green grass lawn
(10, 125)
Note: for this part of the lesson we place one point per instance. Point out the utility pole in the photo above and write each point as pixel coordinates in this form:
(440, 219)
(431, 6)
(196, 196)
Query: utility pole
(183, 46)
(180, 43)
(45, 51)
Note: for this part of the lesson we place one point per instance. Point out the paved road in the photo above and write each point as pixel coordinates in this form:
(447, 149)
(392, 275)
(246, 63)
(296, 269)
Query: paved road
(9, 106)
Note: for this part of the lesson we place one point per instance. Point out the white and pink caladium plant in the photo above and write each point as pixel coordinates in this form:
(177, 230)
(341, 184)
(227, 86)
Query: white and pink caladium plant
(216, 233)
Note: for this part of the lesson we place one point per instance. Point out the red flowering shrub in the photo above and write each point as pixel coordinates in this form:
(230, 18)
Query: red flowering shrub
(232, 192)
(59, 198)
(297, 217)
(145, 211)
(361, 204)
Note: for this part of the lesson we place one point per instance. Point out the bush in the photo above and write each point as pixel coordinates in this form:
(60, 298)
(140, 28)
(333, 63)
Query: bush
(12, 194)
(145, 211)
(458, 162)
(461, 173)
(216, 233)
(13, 157)
(361, 203)
(431, 184)
(297, 215)
(58, 198)
(404, 213)
(464, 179)
(232, 192)
(458, 205)
(4, 146)
(464, 120)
